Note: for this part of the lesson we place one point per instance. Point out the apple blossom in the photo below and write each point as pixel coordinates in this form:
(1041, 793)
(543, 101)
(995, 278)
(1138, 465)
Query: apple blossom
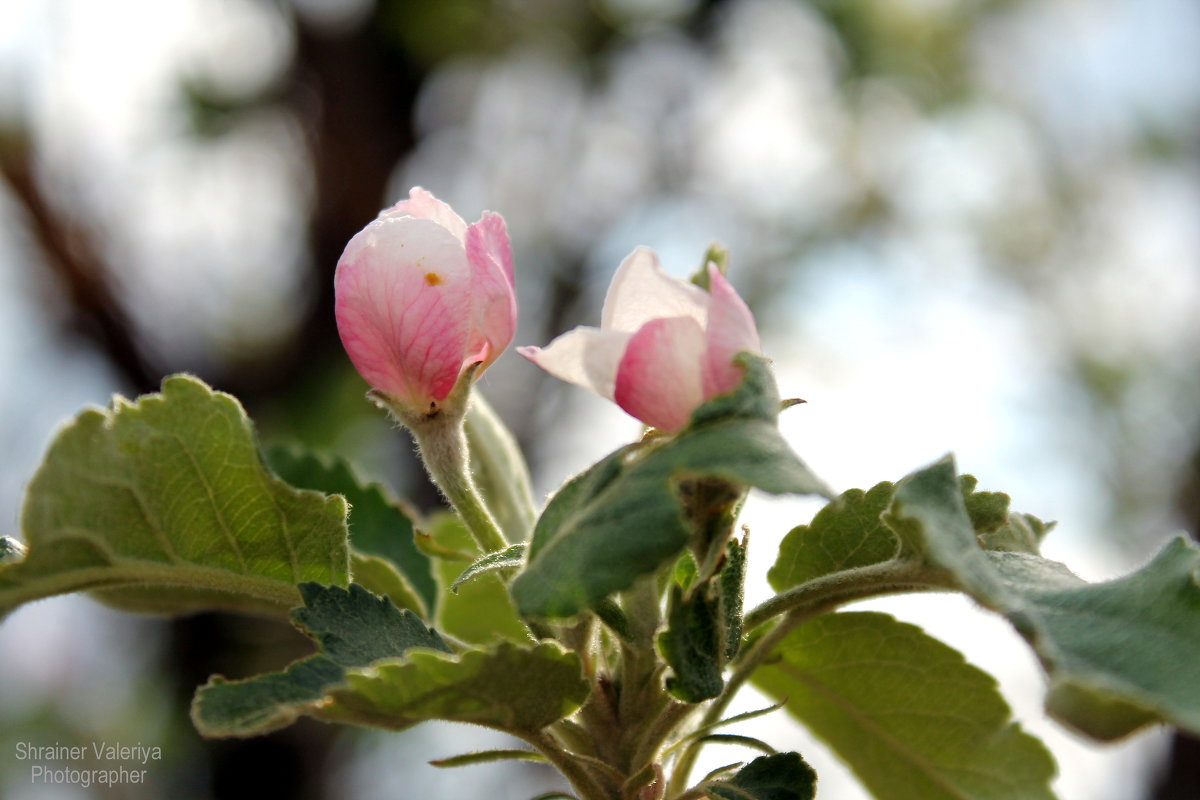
(422, 297)
(664, 345)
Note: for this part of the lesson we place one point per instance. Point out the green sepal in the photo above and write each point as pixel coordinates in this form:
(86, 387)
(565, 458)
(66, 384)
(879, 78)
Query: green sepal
(783, 776)
(165, 505)
(623, 517)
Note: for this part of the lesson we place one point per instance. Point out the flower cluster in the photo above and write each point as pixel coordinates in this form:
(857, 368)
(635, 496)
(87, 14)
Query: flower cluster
(422, 297)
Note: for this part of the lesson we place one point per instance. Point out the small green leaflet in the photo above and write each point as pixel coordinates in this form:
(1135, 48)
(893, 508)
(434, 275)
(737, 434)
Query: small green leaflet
(782, 776)
(622, 518)
(481, 611)
(164, 504)
(510, 557)
(693, 644)
(905, 711)
(352, 627)
(379, 525)
(1120, 654)
(845, 534)
(850, 532)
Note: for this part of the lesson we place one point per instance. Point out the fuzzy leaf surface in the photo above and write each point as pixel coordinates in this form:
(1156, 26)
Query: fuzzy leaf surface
(165, 505)
(622, 518)
(1120, 654)
(906, 712)
(845, 534)
(509, 687)
(481, 611)
(782, 776)
(352, 628)
(379, 525)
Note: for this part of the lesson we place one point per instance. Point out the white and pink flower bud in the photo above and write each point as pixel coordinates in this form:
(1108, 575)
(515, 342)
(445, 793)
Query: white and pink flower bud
(421, 297)
(664, 345)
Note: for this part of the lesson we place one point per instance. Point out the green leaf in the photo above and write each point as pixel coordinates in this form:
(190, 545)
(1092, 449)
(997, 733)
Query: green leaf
(507, 687)
(906, 712)
(705, 729)
(845, 534)
(379, 576)
(783, 776)
(622, 518)
(736, 739)
(352, 627)
(1120, 654)
(379, 525)
(731, 585)
(486, 757)
(693, 645)
(165, 504)
(510, 557)
(482, 610)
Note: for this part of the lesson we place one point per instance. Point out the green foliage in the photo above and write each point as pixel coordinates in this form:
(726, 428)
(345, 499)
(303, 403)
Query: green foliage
(622, 518)
(1120, 654)
(509, 687)
(731, 586)
(509, 558)
(379, 525)
(481, 611)
(845, 534)
(905, 711)
(782, 776)
(353, 629)
(165, 504)
(693, 645)
(704, 629)
(486, 757)
(378, 575)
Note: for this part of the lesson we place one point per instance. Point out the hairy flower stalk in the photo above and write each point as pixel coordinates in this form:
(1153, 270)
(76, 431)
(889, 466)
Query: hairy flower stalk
(424, 304)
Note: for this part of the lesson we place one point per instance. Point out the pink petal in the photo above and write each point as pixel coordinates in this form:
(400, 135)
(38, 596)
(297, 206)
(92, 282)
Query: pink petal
(658, 380)
(642, 290)
(731, 330)
(586, 357)
(423, 205)
(494, 299)
(403, 307)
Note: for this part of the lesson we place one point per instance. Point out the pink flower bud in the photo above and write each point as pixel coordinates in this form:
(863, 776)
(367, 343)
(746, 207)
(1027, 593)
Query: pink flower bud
(421, 295)
(664, 345)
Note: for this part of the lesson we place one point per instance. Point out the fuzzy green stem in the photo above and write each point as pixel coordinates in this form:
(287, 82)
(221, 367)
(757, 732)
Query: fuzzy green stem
(442, 442)
(887, 577)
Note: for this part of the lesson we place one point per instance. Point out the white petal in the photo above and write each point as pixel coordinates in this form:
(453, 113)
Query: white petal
(642, 290)
(586, 357)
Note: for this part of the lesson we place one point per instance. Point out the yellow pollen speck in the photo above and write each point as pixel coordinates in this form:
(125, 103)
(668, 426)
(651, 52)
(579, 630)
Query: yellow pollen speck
(433, 279)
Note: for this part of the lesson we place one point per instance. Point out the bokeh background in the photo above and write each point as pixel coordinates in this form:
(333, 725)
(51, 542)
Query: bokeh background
(964, 225)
